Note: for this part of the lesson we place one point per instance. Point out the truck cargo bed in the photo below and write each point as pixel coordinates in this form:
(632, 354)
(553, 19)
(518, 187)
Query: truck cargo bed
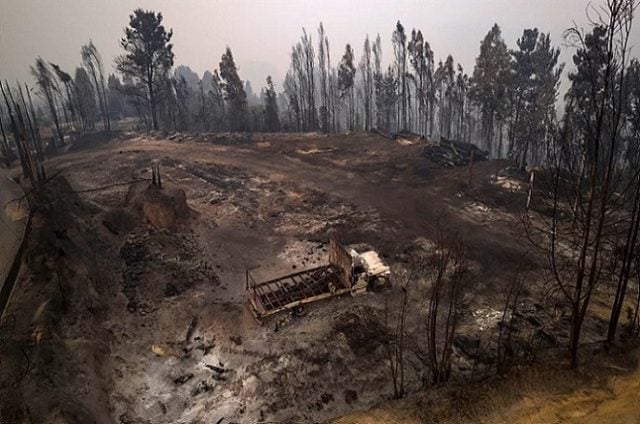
(296, 289)
(287, 292)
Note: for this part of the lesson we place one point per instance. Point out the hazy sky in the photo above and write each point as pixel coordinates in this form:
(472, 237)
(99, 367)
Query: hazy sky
(261, 32)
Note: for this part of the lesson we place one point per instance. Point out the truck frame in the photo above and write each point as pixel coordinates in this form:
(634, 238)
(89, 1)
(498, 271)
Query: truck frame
(290, 291)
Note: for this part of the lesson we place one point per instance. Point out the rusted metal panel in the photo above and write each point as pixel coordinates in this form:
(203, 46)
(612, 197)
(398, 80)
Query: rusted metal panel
(340, 258)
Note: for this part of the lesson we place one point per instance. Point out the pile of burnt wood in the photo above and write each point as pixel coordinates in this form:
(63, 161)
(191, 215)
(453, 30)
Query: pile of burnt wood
(402, 134)
(452, 153)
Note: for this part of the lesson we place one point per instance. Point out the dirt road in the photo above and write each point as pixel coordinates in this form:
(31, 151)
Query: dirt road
(372, 174)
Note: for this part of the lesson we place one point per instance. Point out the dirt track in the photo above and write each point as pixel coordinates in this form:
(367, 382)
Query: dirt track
(413, 198)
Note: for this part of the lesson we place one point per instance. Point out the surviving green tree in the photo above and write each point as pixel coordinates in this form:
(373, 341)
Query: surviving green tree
(148, 54)
(234, 93)
(85, 99)
(346, 78)
(535, 78)
(272, 122)
(490, 81)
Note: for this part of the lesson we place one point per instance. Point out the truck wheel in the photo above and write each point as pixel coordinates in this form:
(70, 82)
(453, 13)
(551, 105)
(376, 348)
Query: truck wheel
(379, 283)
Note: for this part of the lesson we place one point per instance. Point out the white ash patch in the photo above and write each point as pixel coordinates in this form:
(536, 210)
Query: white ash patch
(404, 142)
(509, 184)
(486, 318)
(478, 208)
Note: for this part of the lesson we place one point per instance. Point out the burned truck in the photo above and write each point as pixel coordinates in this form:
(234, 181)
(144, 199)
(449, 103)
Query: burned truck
(347, 272)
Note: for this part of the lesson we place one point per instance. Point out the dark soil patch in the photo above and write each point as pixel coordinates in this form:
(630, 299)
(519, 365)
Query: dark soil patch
(364, 332)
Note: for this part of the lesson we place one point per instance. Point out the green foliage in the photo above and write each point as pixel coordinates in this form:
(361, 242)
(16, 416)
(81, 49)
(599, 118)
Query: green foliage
(346, 72)
(234, 93)
(386, 98)
(490, 81)
(272, 122)
(115, 99)
(633, 103)
(590, 67)
(346, 79)
(148, 54)
(535, 77)
(85, 99)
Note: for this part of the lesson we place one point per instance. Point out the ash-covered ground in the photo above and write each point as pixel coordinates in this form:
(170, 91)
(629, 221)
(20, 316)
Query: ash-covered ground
(131, 307)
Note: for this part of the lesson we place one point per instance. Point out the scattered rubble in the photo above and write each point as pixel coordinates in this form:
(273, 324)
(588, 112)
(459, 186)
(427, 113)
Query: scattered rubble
(179, 381)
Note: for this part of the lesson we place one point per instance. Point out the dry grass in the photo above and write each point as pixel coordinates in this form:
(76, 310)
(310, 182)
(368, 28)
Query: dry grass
(391, 413)
(588, 397)
(604, 390)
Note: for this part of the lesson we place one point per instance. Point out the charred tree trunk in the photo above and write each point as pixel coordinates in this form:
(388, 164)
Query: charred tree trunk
(14, 129)
(39, 148)
(152, 103)
(629, 251)
(6, 151)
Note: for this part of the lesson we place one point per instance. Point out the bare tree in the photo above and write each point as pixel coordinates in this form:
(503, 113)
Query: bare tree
(333, 83)
(323, 67)
(395, 348)
(400, 50)
(445, 302)
(45, 81)
(40, 147)
(575, 233)
(19, 134)
(377, 81)
(4, 147)
(303, 71)
(93, 62)
(366, 71)
(505, 346)
(67, 82)
(308, 55)
(418, 61)
(32, 131)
